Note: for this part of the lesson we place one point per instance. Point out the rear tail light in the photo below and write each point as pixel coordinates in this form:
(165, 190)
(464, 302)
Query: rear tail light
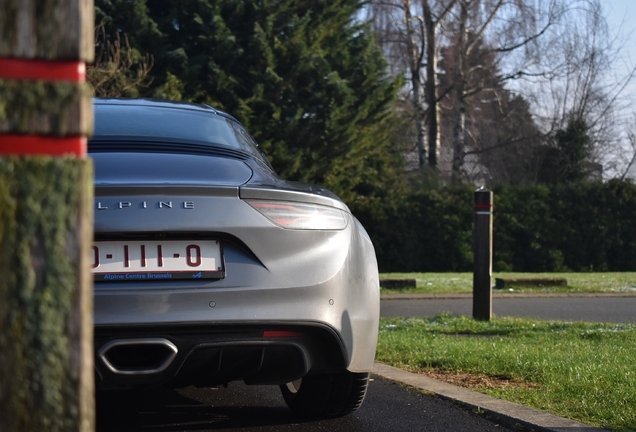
(300, 216)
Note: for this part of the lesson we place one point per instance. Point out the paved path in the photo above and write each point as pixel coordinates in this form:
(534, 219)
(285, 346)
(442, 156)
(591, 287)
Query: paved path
(389, 406)
(602, 308)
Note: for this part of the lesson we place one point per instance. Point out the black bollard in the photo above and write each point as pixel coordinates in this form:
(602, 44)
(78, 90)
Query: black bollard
(482, 255)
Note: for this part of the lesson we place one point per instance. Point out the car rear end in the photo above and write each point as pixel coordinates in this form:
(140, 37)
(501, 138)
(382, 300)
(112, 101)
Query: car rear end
(210, 269)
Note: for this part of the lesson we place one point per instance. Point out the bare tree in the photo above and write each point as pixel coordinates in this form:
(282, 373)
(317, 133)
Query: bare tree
(414, 41)
(477, 58)
(409, 33)
(630, 158)
(413, 35)
(432, 24)
(582, 85)
(117, 70)
(495, 123)
(507, 33)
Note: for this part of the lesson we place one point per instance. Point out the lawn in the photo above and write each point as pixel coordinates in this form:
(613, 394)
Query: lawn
(445, 283)
(582, 371)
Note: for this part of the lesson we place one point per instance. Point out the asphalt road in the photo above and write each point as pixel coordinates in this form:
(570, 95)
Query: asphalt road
(596, 309)
(388, 407)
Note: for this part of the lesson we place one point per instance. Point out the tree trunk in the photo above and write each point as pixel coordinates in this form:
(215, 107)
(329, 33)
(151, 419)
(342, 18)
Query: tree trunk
(52, 108)
(47, 29)
(459, 151)
(459, 119)
(46, 329)
(415, 68)
(431, 86)
(46, 368)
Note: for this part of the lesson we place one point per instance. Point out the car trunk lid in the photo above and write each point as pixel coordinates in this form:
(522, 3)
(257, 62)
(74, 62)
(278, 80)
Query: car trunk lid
(170, 169)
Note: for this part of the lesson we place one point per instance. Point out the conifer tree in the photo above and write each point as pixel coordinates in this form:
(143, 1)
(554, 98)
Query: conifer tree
(304, 76)
(566, 158)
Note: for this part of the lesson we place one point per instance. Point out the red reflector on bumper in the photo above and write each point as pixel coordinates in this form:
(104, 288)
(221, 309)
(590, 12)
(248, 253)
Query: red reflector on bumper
(280, 333)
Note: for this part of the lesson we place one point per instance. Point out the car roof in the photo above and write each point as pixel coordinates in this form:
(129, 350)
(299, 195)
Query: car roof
(161, 103)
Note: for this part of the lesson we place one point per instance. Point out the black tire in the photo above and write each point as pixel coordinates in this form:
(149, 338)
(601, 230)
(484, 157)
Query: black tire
(326, 395)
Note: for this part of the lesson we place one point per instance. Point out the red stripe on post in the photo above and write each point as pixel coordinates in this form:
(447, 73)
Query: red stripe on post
(42, 145)
(45, 70)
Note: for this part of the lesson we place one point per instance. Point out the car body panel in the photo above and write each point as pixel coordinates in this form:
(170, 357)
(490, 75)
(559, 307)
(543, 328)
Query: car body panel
(143, 169)
(319, 285)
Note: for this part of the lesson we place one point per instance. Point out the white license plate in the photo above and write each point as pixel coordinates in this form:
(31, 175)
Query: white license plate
(157, 260)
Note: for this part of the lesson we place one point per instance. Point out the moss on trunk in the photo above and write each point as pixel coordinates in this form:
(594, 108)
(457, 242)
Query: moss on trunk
(35, 107)
(46, 370)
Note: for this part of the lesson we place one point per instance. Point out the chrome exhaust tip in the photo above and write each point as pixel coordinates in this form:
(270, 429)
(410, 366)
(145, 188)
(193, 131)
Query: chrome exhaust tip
(137, 356)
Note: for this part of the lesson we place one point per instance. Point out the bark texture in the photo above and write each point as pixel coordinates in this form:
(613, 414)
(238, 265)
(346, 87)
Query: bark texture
(45, 108)
(433, 118)
(47, 29)
(415, 60)
(46, 353)
(46, 329)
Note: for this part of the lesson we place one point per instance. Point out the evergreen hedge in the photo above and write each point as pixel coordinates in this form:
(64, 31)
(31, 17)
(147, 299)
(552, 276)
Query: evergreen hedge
(576, 227)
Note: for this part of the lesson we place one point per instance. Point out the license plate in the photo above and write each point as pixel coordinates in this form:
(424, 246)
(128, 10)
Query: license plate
(157, 260)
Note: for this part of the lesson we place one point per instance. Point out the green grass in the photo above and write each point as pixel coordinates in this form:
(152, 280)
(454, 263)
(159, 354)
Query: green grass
(446, 283)
(582, 371)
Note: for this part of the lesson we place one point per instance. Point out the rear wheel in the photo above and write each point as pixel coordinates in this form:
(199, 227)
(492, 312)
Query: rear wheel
(326, 395)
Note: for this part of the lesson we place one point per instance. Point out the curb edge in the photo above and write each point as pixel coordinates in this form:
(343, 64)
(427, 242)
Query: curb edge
(510, 413)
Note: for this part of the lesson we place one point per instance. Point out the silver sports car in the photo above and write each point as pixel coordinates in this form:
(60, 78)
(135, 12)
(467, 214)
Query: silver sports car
(209, 268)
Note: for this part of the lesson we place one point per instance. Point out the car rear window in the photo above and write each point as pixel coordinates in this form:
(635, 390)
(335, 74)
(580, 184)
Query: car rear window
(139, 122)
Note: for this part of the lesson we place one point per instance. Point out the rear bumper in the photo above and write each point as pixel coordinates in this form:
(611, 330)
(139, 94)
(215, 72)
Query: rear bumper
(326, 287)
(347, 307)
(204, 355)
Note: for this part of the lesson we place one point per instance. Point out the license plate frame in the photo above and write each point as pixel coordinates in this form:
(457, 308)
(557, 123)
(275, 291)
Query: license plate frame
(133, 260)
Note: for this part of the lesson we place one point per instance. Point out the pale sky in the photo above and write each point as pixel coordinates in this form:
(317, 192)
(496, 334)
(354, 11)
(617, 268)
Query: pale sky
(623, 13)
(619, 9)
